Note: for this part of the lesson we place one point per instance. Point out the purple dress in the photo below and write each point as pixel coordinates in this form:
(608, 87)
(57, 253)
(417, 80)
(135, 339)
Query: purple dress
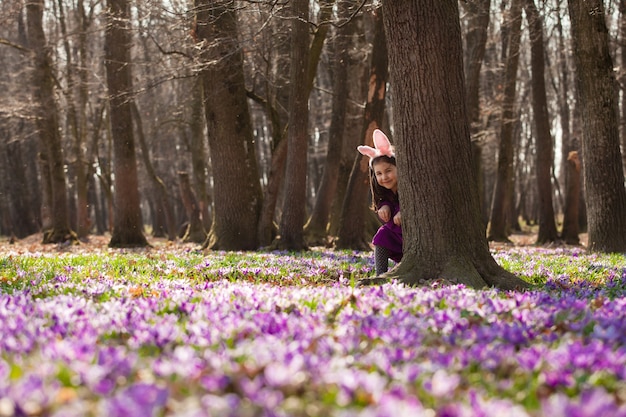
(389, 235)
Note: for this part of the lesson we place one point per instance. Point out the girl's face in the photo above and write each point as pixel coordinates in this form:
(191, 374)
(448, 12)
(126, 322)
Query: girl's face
(386, 175)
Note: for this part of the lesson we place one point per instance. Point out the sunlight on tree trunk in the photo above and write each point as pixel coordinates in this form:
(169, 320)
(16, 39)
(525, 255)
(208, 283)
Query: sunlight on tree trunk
(499, 220)
(602, 161)
(354, 227)
(291, 234)
(48, 128)
(443, 233)
(544, 148)
(127, 222)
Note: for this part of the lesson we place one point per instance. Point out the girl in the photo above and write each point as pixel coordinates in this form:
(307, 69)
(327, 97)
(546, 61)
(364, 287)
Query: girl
(384, 184)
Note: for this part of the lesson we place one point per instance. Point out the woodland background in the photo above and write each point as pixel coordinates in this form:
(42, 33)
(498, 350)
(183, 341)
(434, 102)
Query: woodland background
(170, 118)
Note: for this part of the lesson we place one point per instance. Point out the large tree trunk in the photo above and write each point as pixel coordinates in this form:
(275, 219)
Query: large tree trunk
(353, 232)
(442, 228)
(290, 232)
(128, 226)
(597, 93)
(48, 126)
(233, 160)
(544, 149)
(500, 206)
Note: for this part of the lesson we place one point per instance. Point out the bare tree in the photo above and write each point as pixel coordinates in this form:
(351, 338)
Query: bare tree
(500, 206)
(353, 233)
(603, 175)
(544, 148)
(442, 228)
(233, 159)
(128, 226)
(316, 229)
(475, 45)
(291, 235)
(48, 126)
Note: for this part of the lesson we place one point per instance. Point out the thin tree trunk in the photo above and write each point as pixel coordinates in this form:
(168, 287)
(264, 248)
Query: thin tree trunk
(570, 233)
(48, 126)
(291, 234)
(353, 233)
(195, 230)
(622, 78)
(128, 226)
(81, 219)
(498, 221)
(162, 196)
(476, 41)
(544, 148)
(198, 154)
(316, 230)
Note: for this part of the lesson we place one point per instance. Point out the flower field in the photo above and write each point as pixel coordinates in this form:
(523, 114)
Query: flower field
(173, 331)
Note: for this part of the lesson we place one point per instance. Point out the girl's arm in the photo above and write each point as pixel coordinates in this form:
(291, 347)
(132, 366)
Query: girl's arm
(384, 212)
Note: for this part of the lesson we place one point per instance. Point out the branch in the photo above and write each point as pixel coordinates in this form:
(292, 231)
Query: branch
(14, 45)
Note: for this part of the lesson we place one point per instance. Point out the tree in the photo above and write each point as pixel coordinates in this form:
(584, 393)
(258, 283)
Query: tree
(291, 234)
(443, 232)
(475, 45)
(316, 229)
(596, 88)
(236, 189)
(569, 234)
(48, 127)
(544, 149)
(502, 195)
(128, 227)
(352, 233)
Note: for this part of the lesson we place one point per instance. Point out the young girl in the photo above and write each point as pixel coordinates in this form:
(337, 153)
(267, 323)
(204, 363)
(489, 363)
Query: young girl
(384, 184)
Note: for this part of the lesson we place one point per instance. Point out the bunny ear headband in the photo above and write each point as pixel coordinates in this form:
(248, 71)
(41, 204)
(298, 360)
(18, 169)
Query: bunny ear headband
(382, 146)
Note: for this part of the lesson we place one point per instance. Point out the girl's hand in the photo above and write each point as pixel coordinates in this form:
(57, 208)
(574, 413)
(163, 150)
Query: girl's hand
(384, 213)
(397, 219)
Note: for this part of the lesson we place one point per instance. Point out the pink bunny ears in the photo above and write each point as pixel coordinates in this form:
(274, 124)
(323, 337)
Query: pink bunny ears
(382, 146)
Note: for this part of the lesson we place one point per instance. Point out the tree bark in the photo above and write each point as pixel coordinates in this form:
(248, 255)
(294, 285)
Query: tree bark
(198, 154)
(195, 230)
(544, 148)
(127, 226)
(500, 205)
(475, 46)
(290, 233)
(443, 233)
(316, 229)
(48, 126)
(570, 233)
(622, 78)
(162, 198)
(597, 93)
(233, 160)
(353, 232)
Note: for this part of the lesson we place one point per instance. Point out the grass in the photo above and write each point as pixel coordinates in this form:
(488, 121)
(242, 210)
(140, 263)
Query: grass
(177, 331)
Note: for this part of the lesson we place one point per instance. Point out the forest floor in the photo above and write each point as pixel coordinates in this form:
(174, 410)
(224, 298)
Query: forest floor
(34, 243)
(172, 330)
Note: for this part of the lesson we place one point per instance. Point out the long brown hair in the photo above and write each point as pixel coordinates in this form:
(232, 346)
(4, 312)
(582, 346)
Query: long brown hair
(380, 193)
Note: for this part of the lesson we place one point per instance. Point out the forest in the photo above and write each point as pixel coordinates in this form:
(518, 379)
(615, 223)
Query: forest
(172, 119)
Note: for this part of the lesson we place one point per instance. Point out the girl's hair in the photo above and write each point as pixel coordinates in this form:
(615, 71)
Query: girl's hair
(380, 193)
